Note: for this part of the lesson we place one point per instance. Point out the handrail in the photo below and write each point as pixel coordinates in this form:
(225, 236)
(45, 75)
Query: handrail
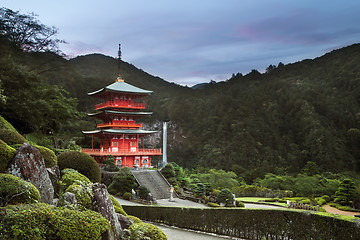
(99, 152)
(124, 104)
(122, 124)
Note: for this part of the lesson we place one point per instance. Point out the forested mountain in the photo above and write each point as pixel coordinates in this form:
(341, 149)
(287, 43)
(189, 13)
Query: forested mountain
(256, 123)
(271, 122)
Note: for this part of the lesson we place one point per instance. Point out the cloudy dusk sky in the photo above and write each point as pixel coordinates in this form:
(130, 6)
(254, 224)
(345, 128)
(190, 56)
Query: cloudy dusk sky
(189, 42)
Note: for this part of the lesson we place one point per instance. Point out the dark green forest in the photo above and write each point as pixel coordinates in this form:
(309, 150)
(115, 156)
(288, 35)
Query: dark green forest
(253, 124)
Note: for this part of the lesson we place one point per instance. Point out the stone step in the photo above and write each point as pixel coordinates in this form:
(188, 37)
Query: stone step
(156, 184)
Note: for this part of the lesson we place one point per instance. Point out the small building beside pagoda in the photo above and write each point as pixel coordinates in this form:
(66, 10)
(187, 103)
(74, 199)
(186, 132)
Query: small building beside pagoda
(121, 105)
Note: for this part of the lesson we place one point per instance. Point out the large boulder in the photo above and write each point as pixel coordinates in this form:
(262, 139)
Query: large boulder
(102, 204)
(29, 165)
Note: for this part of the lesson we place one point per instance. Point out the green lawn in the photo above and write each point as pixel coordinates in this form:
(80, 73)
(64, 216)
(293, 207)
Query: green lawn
(257, 199)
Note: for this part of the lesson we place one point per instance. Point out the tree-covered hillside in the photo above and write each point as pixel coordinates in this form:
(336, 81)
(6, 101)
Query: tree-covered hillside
(252, 124)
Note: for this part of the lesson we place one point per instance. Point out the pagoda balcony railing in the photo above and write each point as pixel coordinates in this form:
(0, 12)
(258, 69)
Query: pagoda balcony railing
(120, 124)
(120, 104)
(121, 152)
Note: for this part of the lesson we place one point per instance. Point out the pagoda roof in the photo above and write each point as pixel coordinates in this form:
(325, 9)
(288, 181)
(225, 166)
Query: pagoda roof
(120, 86)
(119, 113)
(120, 131)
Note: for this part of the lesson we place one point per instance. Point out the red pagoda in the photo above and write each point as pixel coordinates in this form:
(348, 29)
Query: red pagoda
(122, 104)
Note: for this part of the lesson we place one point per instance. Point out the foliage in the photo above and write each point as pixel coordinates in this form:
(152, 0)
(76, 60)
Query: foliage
(346, 192)
(81, 162)
(48, 155)
(69, 177)
(127, 195)
(301, 185)
(218, 178)
(144, 192)
(225, 196)
(110, 164)
(6, 155)
(117, 206)
(83, 193)
(168, 171)
(42, 221)
(4, 124)
(122, 182)
(14, 190)
(27, 32)
(253, 223)
(11, 137)
(239, 204)
(211, 204)
(134, 219)
(310, 169)
(146, 229)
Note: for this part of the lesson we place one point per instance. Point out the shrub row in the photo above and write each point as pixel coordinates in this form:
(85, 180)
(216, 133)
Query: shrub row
(253, 223)
(42, 221)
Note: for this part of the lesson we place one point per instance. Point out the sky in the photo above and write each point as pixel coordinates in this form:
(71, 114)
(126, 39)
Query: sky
(190, 42)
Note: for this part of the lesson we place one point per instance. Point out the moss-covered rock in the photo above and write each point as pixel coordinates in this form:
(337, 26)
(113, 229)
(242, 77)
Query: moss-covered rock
(139, 230)
(48, 155)
(41, 221)
(4, 124)
(117, 206)
(11, 137)
(6, 154)
(70, 177)
(14, 190)
(83, 194)
(81, 162)
(134, 219)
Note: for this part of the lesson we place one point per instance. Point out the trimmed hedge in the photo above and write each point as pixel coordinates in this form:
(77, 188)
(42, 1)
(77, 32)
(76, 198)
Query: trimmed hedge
(48, 155)
(42, 221)
(11, 137)
(15, 190)
(6, 155)
(81, 162)
(253, 223)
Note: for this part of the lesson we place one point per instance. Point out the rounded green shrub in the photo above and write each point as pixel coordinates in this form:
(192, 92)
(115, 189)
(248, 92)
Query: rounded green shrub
(134, 219)
(239, 203)
(14, 190)
(127, 196)
(6, 155)
(11, 137)
(215, 205)
(48, 155)
(70, 177)
(225, 196)
(148, 230)
(83, 194)
(143, 192)
(4, 124)
(117, 206)
(81, 162)
(42, 221)
(326, 198)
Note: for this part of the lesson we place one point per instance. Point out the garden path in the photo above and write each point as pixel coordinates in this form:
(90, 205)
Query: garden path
(337, 211)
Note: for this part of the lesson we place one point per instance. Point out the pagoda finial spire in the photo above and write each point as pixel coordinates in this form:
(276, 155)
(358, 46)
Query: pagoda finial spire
(119, 65)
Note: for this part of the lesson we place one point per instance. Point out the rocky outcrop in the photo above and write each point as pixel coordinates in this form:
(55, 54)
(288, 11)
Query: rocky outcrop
(29, 165)
(102, 204)
(125, 222)
(54, 174)
(68, 199)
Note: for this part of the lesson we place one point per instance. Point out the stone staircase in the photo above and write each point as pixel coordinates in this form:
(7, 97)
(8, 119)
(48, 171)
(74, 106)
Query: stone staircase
(154, 181)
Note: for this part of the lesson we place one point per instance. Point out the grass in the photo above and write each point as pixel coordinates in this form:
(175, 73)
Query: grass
(258, 199)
